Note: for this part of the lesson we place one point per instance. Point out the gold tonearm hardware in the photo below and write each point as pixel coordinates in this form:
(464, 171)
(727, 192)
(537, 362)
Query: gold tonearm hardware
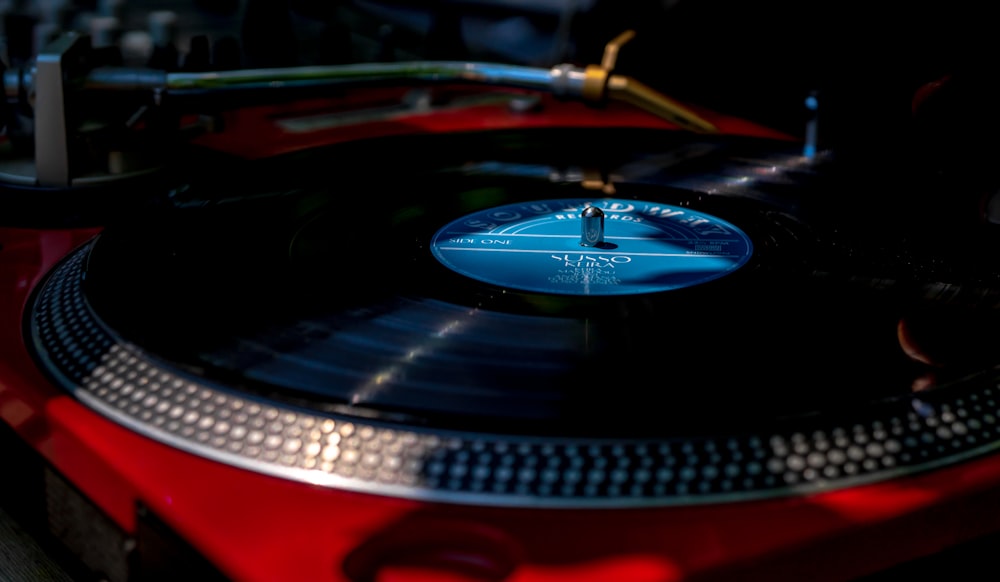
(600, 83)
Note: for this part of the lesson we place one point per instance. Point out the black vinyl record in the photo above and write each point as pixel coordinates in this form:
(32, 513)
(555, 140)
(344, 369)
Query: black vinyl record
(753, 320)
(321, 288)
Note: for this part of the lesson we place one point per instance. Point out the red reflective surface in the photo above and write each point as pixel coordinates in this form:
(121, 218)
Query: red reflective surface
(260, 528)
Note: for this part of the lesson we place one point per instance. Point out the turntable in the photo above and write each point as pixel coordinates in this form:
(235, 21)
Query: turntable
(425, 319)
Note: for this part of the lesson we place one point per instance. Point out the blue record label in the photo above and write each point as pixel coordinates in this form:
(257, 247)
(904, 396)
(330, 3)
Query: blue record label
(597, 247)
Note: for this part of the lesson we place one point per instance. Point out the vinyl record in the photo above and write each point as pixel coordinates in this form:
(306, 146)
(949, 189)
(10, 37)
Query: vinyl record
(729, 299)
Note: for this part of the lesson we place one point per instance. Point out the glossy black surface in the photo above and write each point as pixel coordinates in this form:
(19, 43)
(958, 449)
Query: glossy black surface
(317, 286)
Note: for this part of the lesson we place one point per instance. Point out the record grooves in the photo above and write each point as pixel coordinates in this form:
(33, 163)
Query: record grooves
(294, 335)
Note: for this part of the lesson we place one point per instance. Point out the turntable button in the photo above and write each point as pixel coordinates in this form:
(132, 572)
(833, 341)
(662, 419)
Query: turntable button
(434, 550)
(199, 55)
(105, 31)
(162, 26)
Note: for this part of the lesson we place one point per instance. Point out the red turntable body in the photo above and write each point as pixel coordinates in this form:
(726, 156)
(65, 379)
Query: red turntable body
(183, 394)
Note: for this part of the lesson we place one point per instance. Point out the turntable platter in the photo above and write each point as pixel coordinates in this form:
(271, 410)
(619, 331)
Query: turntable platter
(728, 338)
